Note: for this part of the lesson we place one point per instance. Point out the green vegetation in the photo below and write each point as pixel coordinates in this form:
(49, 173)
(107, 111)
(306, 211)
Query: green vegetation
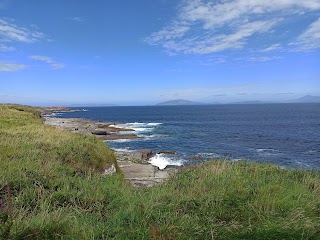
(58, 192)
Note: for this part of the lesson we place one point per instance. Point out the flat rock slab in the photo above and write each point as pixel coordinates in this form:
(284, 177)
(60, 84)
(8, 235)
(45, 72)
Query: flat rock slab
(142, 175)
(90, 127)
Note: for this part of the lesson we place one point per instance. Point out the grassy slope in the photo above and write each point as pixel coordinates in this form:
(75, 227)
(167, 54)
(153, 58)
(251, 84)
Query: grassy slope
(60, 194)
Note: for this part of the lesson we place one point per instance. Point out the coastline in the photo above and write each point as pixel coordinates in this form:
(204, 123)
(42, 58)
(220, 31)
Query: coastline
(134, 165)
(53, 181)
(103, 130)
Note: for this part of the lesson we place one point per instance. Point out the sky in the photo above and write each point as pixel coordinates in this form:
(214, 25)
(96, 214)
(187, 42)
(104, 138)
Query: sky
(142, 52)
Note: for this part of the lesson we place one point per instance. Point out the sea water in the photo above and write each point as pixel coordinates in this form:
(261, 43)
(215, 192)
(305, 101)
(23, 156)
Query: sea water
(283, 134)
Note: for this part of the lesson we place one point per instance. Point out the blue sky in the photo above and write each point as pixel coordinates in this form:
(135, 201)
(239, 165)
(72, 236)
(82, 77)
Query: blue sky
(141, 52)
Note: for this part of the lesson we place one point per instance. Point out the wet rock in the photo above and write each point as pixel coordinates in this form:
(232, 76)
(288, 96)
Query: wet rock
(141, 156)
(167, 152)
(100, 132)
(146, 153)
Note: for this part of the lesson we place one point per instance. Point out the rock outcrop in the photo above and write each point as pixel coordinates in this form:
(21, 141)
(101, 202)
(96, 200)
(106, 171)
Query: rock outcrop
(100, 132)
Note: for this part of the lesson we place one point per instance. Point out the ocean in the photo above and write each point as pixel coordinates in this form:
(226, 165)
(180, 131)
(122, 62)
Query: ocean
(284, 134)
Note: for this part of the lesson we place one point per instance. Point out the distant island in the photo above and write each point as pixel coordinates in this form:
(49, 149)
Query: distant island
(179, 102)
(304, 99)
(307, 99)
(183, 102)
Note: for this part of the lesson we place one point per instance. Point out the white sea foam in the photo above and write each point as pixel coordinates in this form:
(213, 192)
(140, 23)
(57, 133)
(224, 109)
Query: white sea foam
(154, 124)
(259, 150)
(268, 152)
(209, 155)
(114, 126)
(143, 129)
(153, 136)
(137, 128)
(123, 150)
(136, 124)
(141, 124)
(120, 140)
(311, 152)
(162, 161)
(126, 132)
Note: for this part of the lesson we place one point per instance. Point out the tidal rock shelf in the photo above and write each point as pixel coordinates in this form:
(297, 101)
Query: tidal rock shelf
(102, 130)
(134, 165)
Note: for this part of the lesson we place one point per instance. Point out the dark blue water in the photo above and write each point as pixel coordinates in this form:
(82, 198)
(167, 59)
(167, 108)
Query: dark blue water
(284, 134)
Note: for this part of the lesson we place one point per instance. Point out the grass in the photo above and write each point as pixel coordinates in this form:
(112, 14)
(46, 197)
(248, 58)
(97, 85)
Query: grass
(58, 192)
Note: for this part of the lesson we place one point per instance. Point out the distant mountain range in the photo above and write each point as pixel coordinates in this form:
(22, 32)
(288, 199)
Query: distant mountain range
(180, 102)
(306, 99)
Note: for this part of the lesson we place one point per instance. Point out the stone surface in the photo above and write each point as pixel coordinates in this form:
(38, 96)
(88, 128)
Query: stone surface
(167, 152)
(141, 156)
(50, 110)
(142, 175)
(111, 170)
(100, 132)
(89, 127)
(146, 153)
(134, 165)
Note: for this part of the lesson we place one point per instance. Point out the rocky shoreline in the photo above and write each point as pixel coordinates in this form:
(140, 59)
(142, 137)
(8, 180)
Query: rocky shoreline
(134, 165)
(103, 130)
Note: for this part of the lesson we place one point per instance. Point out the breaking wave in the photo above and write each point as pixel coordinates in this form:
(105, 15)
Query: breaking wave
(162, 161)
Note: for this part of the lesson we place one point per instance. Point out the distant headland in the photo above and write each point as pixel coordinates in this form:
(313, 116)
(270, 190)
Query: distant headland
(180, 102)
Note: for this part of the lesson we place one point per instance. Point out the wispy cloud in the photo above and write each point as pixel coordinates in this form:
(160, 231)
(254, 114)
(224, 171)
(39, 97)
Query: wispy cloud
(77, 19)
(262, 58)
(10, 32)
(210, 26)
(271, 48)
(310, 39)
(48, 60)
(11, 67)
(5, 48)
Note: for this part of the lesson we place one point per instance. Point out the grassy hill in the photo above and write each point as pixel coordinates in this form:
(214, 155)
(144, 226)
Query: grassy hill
(58, 192)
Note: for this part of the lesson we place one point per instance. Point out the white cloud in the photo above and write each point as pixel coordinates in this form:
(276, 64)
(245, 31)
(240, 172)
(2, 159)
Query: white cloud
(213, 43)
(48, 60)
(77, 19)
(231, 41)
(11, 32)
(11, 67)
(213, 14)
(209, 26)
(4, 48)
(263, 58)
(272, 48)
(310, 39)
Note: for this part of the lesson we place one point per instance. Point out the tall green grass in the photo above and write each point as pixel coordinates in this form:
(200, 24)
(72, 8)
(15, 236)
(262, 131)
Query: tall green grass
(59, 192)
